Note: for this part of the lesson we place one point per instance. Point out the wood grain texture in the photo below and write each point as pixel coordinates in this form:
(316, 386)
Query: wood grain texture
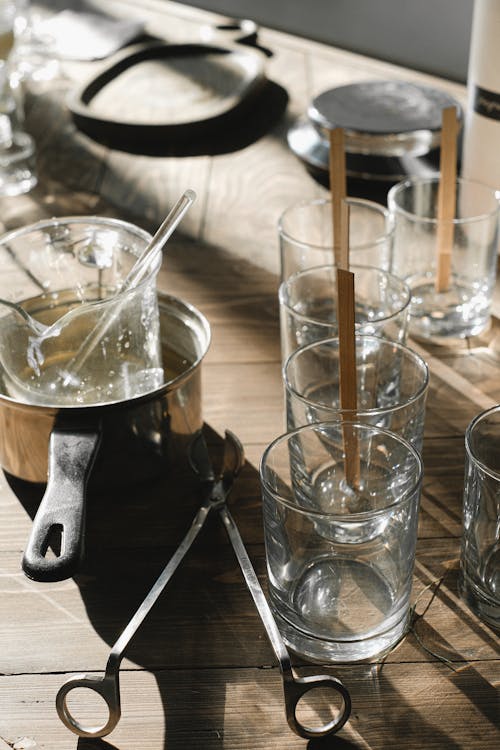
(241, 708)
(206, 617)
(200, 673)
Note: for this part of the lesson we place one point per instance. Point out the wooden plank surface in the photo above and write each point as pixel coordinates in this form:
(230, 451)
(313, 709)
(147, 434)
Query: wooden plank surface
(201, 673)
(241, 708)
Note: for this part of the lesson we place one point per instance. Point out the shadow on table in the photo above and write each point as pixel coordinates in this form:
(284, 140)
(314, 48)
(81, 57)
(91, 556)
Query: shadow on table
(205, 618)
(332, 743)
(86, 743)
(129, 541)
(462, 673)
(398, 718)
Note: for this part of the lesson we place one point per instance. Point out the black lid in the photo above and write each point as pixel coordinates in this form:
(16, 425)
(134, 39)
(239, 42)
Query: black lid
(381, 107)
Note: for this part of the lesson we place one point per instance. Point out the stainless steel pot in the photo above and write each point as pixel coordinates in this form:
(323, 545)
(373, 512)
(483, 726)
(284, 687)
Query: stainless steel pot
(112, 445)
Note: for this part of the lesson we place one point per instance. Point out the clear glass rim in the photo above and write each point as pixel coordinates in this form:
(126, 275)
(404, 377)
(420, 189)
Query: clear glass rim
(100, 222)
(405, 351)
(396, 281)
(77, 219)
(371, 205)
(471, 427)
(395, 191)
(354, 517)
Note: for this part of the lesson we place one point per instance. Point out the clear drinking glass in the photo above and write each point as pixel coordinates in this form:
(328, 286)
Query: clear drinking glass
(60, 279)
(480, 559)
(17, 148)
(392, 384)
(460, 307)
(34, 56)
(306, 235)
(340, 558)
(308, 306)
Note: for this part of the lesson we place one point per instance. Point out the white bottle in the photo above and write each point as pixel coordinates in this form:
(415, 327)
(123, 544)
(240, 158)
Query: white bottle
(481, 138)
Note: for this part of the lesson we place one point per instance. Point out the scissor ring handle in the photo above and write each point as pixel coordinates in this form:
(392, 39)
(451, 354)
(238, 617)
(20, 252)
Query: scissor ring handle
(296, 687)
(107, 687)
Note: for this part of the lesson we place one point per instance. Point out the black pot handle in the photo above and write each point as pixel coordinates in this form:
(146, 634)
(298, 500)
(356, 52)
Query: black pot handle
(62, 509)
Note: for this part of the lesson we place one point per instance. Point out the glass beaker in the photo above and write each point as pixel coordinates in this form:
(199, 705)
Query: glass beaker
(60, 279)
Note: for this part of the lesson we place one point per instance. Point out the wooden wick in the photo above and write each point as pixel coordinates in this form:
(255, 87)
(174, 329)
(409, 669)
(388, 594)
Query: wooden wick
(446, 197)
(345, 304)
(337, 186)
(347, 354)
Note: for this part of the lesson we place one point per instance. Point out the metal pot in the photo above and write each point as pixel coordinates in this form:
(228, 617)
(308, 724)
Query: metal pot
(116, 444)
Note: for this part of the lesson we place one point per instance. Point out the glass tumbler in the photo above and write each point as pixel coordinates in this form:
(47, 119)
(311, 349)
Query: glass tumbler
(458, 303)
(306, 235)
(480, 559)
(392, 383)
(308, 306)
(340, 557)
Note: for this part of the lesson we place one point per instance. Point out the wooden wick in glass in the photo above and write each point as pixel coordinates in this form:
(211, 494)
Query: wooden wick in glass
(446, 197)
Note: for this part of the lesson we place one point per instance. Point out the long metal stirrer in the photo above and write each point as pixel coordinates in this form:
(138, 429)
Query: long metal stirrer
(134, 276)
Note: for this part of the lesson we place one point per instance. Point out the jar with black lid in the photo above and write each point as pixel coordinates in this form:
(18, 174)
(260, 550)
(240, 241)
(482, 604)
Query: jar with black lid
(392, 130)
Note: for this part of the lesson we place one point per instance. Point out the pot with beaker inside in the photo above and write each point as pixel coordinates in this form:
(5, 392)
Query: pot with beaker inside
(118, 412)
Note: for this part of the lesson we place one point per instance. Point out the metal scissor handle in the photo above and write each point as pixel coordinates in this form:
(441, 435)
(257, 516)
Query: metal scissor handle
(294, 688)
(107, 687)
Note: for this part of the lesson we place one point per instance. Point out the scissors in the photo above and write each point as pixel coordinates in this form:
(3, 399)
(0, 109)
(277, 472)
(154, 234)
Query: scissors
(216, 490)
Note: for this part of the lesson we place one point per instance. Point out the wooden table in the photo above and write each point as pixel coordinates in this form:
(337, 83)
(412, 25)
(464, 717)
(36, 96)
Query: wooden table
(200, 673)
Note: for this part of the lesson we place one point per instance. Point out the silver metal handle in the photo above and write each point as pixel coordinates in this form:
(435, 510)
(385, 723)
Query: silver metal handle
(107, 687)
(294, 688)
